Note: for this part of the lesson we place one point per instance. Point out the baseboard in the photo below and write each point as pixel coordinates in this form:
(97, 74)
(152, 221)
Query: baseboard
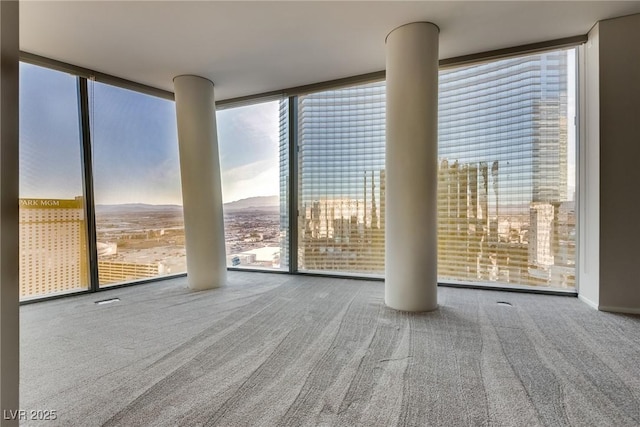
(588, 302)
(625, 310)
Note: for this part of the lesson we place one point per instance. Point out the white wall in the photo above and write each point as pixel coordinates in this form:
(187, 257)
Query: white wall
(589, 160)
(620, 164)
(610, 161)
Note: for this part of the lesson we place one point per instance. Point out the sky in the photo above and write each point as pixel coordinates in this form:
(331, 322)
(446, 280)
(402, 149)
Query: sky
(248, 139)
(49, 135)
(134, 144)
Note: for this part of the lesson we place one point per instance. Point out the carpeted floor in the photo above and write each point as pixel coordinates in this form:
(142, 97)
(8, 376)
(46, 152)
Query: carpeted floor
(279, 350)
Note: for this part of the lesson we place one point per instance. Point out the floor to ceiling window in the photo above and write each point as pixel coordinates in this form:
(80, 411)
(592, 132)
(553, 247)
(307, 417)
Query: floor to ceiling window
(53, 230)
(138, 197)
(341, 135)
(506, 195)
(254, 166)
(506, 188)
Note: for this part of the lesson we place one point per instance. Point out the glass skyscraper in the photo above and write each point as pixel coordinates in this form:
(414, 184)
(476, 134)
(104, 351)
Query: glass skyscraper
(506, 213)
(341, 136)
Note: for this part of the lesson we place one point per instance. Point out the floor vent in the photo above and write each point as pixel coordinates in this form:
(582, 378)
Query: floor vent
(107, 301)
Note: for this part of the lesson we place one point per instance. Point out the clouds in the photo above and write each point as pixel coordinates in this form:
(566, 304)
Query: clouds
(260, 178)
(248, 139)
(136, 150)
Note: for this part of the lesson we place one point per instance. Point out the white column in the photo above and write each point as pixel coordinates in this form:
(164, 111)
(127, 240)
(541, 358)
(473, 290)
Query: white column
(201, 182)
(9, 262)
(411, 167)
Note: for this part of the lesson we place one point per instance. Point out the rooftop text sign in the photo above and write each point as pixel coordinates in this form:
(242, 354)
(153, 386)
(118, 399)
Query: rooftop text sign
(50, 203)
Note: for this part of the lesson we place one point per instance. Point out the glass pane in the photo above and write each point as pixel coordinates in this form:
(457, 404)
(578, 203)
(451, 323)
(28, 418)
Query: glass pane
(53, 248)
(254, 162)
(507, 171)
(506, 195)
(341, 137)
(139, 221)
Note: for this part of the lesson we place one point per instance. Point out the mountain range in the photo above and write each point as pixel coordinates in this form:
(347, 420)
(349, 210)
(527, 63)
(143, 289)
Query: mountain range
(262, 203)
(254, 203)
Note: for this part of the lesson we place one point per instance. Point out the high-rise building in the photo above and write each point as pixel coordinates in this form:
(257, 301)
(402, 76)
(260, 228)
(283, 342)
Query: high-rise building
(494, 111)
(502, 151)
(53, 250)
(541, 234)
(341, 137)
(503, 136)
(283, 165)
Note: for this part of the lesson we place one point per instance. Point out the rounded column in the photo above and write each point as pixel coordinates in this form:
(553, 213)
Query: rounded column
(201, 182)
(411, 167)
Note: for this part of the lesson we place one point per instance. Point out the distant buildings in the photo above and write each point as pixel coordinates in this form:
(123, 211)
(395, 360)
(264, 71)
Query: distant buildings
(343, 235)
(54, 254)
(265, 257)
(541, 232)
(53, 248)
(121, 271)
(341, 137)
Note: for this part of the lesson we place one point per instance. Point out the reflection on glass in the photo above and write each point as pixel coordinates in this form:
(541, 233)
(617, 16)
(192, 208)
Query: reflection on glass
(506, 199)
(254, 165)
(53, 249)
(341, 137)
(139, 221)
(506, 190)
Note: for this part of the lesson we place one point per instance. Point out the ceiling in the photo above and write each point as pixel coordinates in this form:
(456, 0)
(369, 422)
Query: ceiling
(247, 48)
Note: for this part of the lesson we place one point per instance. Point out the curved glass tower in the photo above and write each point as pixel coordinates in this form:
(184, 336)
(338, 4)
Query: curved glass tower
(506, 153)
